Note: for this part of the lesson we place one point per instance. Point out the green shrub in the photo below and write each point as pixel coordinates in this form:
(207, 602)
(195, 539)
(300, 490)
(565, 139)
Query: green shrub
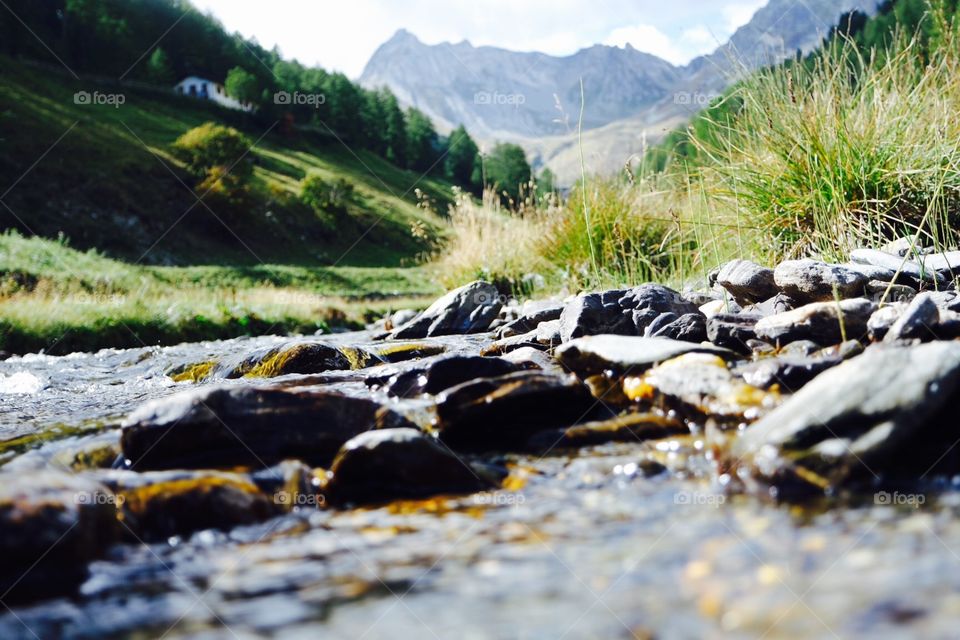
(217, 155)
(320, 195)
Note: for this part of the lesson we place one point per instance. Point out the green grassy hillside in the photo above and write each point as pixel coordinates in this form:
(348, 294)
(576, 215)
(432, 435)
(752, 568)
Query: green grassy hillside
(107, 244)
(103, 176)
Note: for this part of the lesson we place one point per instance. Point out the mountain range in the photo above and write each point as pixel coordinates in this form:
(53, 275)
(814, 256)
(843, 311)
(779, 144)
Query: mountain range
(631, 98)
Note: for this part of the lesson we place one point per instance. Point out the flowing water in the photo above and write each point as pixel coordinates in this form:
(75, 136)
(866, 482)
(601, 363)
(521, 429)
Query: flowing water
(580, 546)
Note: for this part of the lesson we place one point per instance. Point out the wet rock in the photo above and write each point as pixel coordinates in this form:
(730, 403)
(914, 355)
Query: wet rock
(825, 323)
(656, 321)
(393, 352)
(779, 303)
(469, 309)
(548, 333)
(733, 332)
(945, 264)
(800, 348)
(790, 373)
(747, 282)
(290, 484)
(439, 374)
(691, 327)
(873, 272)
(502, 413)
(917, 322)
(507, 345)
(545, 336)
(621, 354)
(719, 307)
(906, 267)
(390, 464)
(813, 281)
(300, 358)
(887, 293)
(652, 300)
(699, 297)
(945, 300)
(51, 525)
(595, 313)
(902, 246)
(887, 413)
(632, 427)
(701, 383)
(883, 318)
(532, 316)
(845, 350)
(228, 426)
(399, 319)
(620, 312)
(158, 504)
(530, 358)
(949, 326)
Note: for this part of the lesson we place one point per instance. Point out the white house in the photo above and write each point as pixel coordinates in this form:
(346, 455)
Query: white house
(204, 89)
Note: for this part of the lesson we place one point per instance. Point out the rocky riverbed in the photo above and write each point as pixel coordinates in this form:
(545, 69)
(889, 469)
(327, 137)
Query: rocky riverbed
(772, 455)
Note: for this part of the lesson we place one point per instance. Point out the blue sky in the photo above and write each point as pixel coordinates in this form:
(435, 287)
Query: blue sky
(343, 34)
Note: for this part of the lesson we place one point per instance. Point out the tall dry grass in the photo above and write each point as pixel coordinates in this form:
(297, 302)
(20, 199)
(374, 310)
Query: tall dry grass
(820, 157)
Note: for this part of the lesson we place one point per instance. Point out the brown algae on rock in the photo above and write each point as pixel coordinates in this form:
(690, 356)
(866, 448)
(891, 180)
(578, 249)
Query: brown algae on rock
(197, 372)
(702, 382)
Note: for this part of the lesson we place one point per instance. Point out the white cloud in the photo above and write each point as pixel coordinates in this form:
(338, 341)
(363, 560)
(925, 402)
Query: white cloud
(646, 38)
(738, 14)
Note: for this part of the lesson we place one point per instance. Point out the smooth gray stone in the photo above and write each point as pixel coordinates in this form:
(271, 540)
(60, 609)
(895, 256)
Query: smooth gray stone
(814, 281)
(819, 322)
(890, 411)
(596, 354)
(917, 322)
(907, 267)
(946, 264)
(747, 281)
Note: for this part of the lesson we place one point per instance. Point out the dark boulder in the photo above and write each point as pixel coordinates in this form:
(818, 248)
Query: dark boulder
(595, 313)
(917, 322)
(391, 464)
(632, 427)
(469, 309)
(229, 426)
(438, 374)
(887, 414)
(733, 331)
(52, 525)
(533, 315)
(690, 327)
(159, 504)
(502, 413)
